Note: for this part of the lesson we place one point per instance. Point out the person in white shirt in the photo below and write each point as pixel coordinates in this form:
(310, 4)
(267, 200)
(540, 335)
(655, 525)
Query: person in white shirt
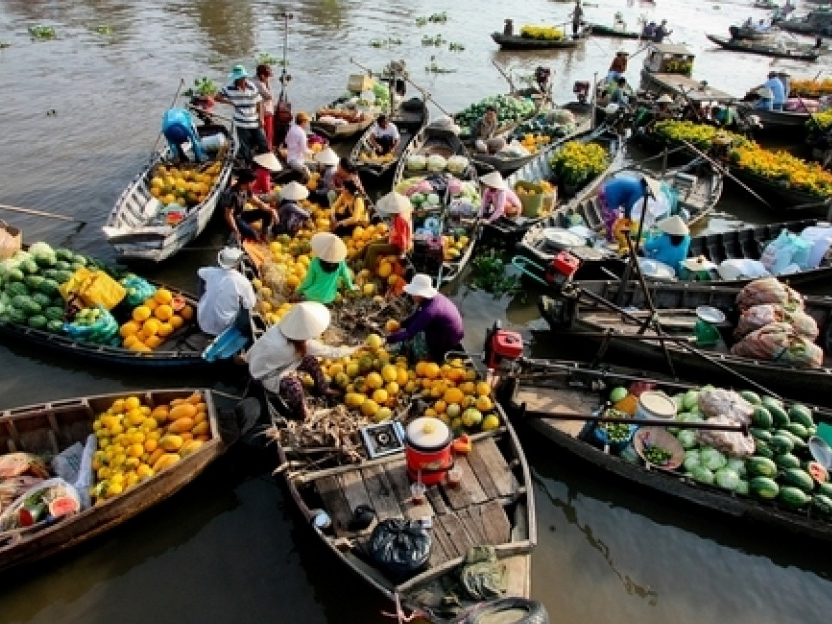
(297, 148)
(226, 292)
(288, 348)
(385, 136)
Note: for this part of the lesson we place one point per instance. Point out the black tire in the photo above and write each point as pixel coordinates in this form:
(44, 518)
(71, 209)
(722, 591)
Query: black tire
(528, 612)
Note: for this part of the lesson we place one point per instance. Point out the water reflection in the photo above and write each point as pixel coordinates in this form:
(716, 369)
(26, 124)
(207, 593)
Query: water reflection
(229, 27)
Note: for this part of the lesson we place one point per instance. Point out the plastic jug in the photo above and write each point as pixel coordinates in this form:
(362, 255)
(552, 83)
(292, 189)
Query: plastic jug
(821, 238)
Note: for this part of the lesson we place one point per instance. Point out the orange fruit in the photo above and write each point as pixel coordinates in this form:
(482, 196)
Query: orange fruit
(176, 321)
(187, 313)
(154, 341)
(151, 303)
(431, 370)
(165, 329)
(163, 312)
(453, 395)
(130, 328)
(141, 313)
(380, 396)
(163, 296)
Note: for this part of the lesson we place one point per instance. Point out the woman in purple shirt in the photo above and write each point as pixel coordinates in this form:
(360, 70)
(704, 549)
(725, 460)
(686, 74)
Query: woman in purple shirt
(436, 317)
(624, 192)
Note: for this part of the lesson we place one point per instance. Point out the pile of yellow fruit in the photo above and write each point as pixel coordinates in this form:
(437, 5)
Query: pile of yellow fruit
(376, 159)
(135, 440)
(362, 236)
(153, 322)
(375, 383)
(454, 246)
(547, 33)
(185, 186)
(535, 142)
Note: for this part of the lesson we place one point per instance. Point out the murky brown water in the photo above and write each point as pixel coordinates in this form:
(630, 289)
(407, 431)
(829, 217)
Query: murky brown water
(227, 548)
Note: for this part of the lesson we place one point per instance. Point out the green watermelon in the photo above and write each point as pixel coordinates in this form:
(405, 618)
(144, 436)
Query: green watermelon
(42, 300)
(54, 313)
(16, 315)
(14, 275)
(37, 321)
(825, 489)
(765, 488)
(751, 397)
(787, 460)
(801, 414)
(762, 418)
(29, 266)
(31, 307)
(33, 281)
(45, 260)
(799, 430)
(796, 477)
(781, 444)
(64, 254)
(80, 259)
(793, 497)
(778, 414)
(823, 503)
(62, 277)
(49, 287)
(62, 265)
(55, 326)
(760, 467)
(20, 301)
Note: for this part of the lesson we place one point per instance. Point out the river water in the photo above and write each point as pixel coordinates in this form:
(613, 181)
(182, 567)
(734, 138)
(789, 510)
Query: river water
(227, 548)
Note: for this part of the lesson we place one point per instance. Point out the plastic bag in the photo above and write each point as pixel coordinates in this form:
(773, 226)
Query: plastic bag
(139, 290)
(786, 249)
(714, 402)
(100, 331)
(731, 443)
(758, 316)
(780, 342)
(400, 546)
(93, 288)
(769, 290)
(483, 576)
(742, 268)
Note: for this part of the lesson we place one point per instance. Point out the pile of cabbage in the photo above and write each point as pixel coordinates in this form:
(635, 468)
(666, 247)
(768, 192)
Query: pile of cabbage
(436, 163)
(509, 109)
(423, 195)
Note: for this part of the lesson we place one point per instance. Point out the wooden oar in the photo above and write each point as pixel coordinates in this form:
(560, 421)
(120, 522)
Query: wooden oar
(41, 213)
(425, 93)
(642, 422)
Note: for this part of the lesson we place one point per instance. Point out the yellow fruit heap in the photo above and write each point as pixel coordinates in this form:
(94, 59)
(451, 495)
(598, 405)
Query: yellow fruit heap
(533, 142)
(136, 440)
(782, 167)
(371, 157)
(182, 185)
(548, 33)
(455, 246)
(362, 236)
(810, 88)
(546, 188)
(153, 322)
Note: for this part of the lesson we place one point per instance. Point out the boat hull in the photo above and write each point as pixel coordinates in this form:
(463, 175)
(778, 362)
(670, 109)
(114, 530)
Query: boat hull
(758, 47)
(507, 42)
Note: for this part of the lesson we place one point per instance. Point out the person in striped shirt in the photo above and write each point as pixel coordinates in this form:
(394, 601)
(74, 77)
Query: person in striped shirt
(244, 96)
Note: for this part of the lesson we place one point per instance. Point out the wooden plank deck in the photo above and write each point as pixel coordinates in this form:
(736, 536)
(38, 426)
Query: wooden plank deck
(541, 400)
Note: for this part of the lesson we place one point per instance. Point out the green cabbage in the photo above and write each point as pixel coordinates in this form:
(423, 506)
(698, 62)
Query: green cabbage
(727, 479)
(687, 438)
(712, 459)
(703, 475)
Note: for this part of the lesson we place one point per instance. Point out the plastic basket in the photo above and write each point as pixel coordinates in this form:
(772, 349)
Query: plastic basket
(532, 204)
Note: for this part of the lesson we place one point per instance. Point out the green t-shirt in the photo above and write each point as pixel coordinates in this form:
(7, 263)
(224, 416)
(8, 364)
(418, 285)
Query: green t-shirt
(321, 286)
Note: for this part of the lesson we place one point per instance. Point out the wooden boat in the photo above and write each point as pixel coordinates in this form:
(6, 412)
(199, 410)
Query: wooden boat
(573, 390)
(492, 506)
(817, 22)
(783, 197)
(777, 121)
(356, 122)
(411, 116)
(667, 69)
(516, 42)
(510, 231)
(699, 186)
(428, 141)
(599, 30)
(182, 349)
(676, 304)
(49, 428)
(131, 226)
(765, 49)
(751, 33)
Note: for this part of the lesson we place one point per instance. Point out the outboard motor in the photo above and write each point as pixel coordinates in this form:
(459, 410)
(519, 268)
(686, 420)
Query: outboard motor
(502, 347)
(581, 91)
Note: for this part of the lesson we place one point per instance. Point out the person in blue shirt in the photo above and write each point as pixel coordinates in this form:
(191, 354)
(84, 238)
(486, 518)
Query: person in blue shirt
(179, 128)
(621, 193)
(778, 93)
(671, 244)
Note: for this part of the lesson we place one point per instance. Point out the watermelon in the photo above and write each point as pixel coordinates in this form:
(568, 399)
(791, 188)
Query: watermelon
(20, 301)
(799, 430)
(787, 460)
(818, 472)
(763, 487)
(778, 414)
(762, 418)
(37, 321)
(760, 467)
(80, 259)
(29, 266)
(793, 497)
(762, 435)
(801, 414)
(823, 503)
(54, 313)
(30, 307)
(751, 397)
(54, 326)
(42, 300)
(798, 443)
(62, 265)
(15, 315)
(33, 281)
(762, 449)
(44, 260)
(64, 254)
(796, 477)
(62, 277)
(781, 444)
(49, 273)
(49, 287)
(14, 275)
(825, 489)
(63, 506)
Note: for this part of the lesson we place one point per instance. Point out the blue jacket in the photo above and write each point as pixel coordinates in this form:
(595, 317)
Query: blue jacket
(659, 248)
(178, 126)
(623, 192)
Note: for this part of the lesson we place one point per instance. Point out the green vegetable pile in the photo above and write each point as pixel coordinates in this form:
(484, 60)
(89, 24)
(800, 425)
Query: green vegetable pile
(103, 29)
(436, 41)
(42, 32)
(656, 455)
(434, 18)
(509, 109)
(488, 273)
(203, 87)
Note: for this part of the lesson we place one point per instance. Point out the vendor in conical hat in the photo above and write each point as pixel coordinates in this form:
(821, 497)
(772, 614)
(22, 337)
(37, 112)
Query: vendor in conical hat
(697, 269)
(327, 271)
(671, 244)
(327, 162)
(264, 165)
(498, 199)
(290, 347)
(291, 215)
(621, 194)
(398, 209)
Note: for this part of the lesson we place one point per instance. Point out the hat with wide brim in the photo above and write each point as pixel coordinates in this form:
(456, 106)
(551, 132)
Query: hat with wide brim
(229, 257)
(294, 191)
(328, 247)
(268, 161)
(700, 263)
(654, 186)
(765, 92)
(393, 203)
(306, 320)
(421, 286)
(238, 71)
(673, 226)
(494, 180)
(665, 99)
(327, 156)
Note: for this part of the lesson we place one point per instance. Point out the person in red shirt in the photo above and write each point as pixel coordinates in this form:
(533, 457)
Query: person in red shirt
(264, 165)
(400, 239)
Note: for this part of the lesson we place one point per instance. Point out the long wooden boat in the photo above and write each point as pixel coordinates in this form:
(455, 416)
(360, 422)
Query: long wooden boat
(182, 349)
(492, 506)
(676, 304)
(780, 196)
(817, 22)
(510, 231)
(751, 33)
(49, 428)
(516, 42)
(600, 30)
(574, 390)
(358, 123)
(699, 186)
(765, 49)
(777, 121)
(430, 140)
(411, 116)
(131, 225)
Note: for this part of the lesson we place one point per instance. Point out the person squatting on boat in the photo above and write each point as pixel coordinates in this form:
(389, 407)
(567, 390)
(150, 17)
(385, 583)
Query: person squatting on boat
(348, 210)
(498, 199)
(670, 243)
(327, 162)
(263, 166)
(291, 216)
(400, 238)
(327, 271)
(483, 133)
(619, 195)
(243, 95)
(385, 137)
(290, 347)
(225, 292)
(232, 202)
(435, 328)
(772, 94)
(618, 67)
(179, 128)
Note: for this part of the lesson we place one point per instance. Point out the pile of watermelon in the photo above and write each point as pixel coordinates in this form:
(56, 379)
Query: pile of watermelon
(30, 282)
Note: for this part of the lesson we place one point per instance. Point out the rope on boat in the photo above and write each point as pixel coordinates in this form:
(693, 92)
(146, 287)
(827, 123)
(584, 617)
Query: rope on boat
(399, 614)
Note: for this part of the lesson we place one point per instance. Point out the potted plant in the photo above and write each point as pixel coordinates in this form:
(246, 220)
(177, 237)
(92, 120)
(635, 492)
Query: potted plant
(202, 93)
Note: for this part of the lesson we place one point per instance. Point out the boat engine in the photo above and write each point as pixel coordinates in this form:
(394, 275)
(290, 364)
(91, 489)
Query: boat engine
(502, 348)
(562, 269)
(581, 91)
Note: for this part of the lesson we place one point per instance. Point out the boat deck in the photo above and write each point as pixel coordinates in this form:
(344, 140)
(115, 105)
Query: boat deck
(678, 84)
(550, 400)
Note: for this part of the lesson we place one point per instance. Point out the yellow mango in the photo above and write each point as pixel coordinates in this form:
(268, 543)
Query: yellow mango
(181, 425)
(170, 442)
(165, 461)
(202, 428)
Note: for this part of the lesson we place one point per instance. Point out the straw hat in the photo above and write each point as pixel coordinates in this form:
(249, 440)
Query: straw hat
(268, 161)
(765, 92)
(294, 191)
(665, 99)
(494, 180)
(327, 156)
(302, 117)
(393, 203)
(700, 263)
(654, 186)
(308, 319)
(421, 286)
(239, 71)
(673, 226)
(229, 257)
(328, 247)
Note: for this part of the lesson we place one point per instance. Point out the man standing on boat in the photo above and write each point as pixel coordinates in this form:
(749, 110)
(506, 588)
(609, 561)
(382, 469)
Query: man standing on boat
(243, 95)
(297, 146)
(226, 291)
(661, 32)
(577, 16)
(179, 128)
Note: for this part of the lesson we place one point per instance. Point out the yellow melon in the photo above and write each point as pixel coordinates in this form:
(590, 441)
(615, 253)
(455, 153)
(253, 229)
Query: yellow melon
(163, 295)
(141, 313)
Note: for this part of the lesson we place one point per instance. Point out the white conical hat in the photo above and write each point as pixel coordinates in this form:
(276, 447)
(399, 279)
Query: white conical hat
(393, 203)
(494, 180)
(306, 320)
(673, 226)
(654, 186)
(294, 192)
(328, 247)
(327, 156)
(229, 257)
(269, 161)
